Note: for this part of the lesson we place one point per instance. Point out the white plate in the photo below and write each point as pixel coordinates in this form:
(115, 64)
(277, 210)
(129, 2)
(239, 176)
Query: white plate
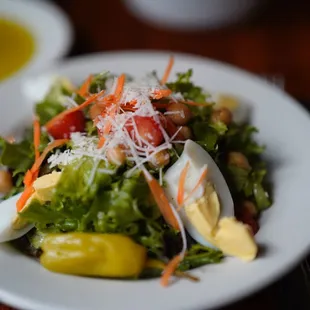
(285, 230)
(49, 26)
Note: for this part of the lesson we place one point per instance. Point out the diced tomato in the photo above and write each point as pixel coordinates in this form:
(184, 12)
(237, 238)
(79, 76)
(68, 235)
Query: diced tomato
(246, 217)
(72, 122)
(148, 130)
(171, 128)
(252, 222)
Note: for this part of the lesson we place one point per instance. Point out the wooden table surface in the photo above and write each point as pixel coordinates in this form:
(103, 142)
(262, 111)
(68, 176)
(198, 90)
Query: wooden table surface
(276, 41)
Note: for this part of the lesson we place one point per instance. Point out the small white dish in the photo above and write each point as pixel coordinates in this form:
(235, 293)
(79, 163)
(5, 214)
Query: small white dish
(284, 228)
(47, 24)
(189, 15)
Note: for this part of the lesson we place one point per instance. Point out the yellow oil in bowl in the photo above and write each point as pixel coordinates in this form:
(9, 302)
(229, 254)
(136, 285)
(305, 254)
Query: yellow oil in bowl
(17, 47)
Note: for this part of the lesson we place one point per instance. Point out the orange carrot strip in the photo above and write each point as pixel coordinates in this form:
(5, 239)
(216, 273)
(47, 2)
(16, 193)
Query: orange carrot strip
(58, 117)
(162, 201)
(85, 86)
(180, 196)
(33, 173)
(28, 178)
(170, 269)
(50, 147)
(24, 197)
(107, 127)
(101, 142)
(120, 86)
(160, 93)
(167, 71)
(200, 180)
(36, 137)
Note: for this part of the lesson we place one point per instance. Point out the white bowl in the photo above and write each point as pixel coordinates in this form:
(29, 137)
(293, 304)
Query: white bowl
(284, 233)
(191, 14)
(49, 26)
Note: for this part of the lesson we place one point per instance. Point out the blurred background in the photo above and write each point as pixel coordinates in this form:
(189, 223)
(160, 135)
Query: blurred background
(267, 37)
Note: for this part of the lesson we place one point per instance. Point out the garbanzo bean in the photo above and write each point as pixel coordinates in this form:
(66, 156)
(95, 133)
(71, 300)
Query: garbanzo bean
(179, 113)
(6, 183)
(239, 160)
(116, 155)
(160, 159)
(223, 115)
(186, 132)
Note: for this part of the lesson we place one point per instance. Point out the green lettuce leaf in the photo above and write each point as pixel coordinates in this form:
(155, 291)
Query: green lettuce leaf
(252, 184)
(199, 255)
(208, 134)
(240, 138)
(190, 91)
(107, 204)
(18, 158)
(53, 102)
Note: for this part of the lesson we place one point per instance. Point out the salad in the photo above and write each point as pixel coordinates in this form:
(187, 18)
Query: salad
(124, 177)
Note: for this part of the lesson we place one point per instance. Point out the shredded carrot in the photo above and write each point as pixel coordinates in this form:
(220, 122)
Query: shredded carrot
(36, 137)
(50, 147)
(116, 97)
(83, 91)
(162, 201)
(119, 87)
(170, 269)
(180, 196)
(28, 178)
(107, 127)
(200, 180)
(24, 197)
(167, 71)
(58, 117)
(33, 173)
(161, 93)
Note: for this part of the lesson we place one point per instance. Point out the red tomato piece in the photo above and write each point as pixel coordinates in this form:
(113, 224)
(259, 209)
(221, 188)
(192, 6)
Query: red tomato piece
(148, 130)
(245, 217)
(72, 122)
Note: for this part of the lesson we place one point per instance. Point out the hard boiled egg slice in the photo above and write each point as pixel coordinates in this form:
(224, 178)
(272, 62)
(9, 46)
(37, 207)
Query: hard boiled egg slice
(208, 213)
(8, 215)
(213, 192)
(12, 226)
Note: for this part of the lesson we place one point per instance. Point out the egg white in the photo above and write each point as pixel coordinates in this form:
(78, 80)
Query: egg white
(198, 158)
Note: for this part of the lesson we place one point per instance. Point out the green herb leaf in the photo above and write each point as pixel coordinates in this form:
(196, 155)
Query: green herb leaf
(199, 255)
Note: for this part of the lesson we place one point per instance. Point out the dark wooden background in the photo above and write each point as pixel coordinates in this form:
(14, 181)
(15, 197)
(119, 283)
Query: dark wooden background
(276, 41)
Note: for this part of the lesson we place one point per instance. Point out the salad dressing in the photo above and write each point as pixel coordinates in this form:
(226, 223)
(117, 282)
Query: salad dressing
(17, 46)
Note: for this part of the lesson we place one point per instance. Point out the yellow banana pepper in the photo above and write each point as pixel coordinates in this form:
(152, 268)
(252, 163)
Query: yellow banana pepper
(92, 254)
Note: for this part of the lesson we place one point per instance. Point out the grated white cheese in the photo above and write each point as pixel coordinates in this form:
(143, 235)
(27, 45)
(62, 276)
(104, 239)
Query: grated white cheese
(137, 149)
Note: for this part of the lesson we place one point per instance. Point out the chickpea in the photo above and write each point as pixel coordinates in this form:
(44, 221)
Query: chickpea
(186, 132)
(116, 155)
(160, 159)
(179, 113)
(249, 207)
(239, 160)
(223, 115)
(10, 139)
(94, 111)
(6, 182)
